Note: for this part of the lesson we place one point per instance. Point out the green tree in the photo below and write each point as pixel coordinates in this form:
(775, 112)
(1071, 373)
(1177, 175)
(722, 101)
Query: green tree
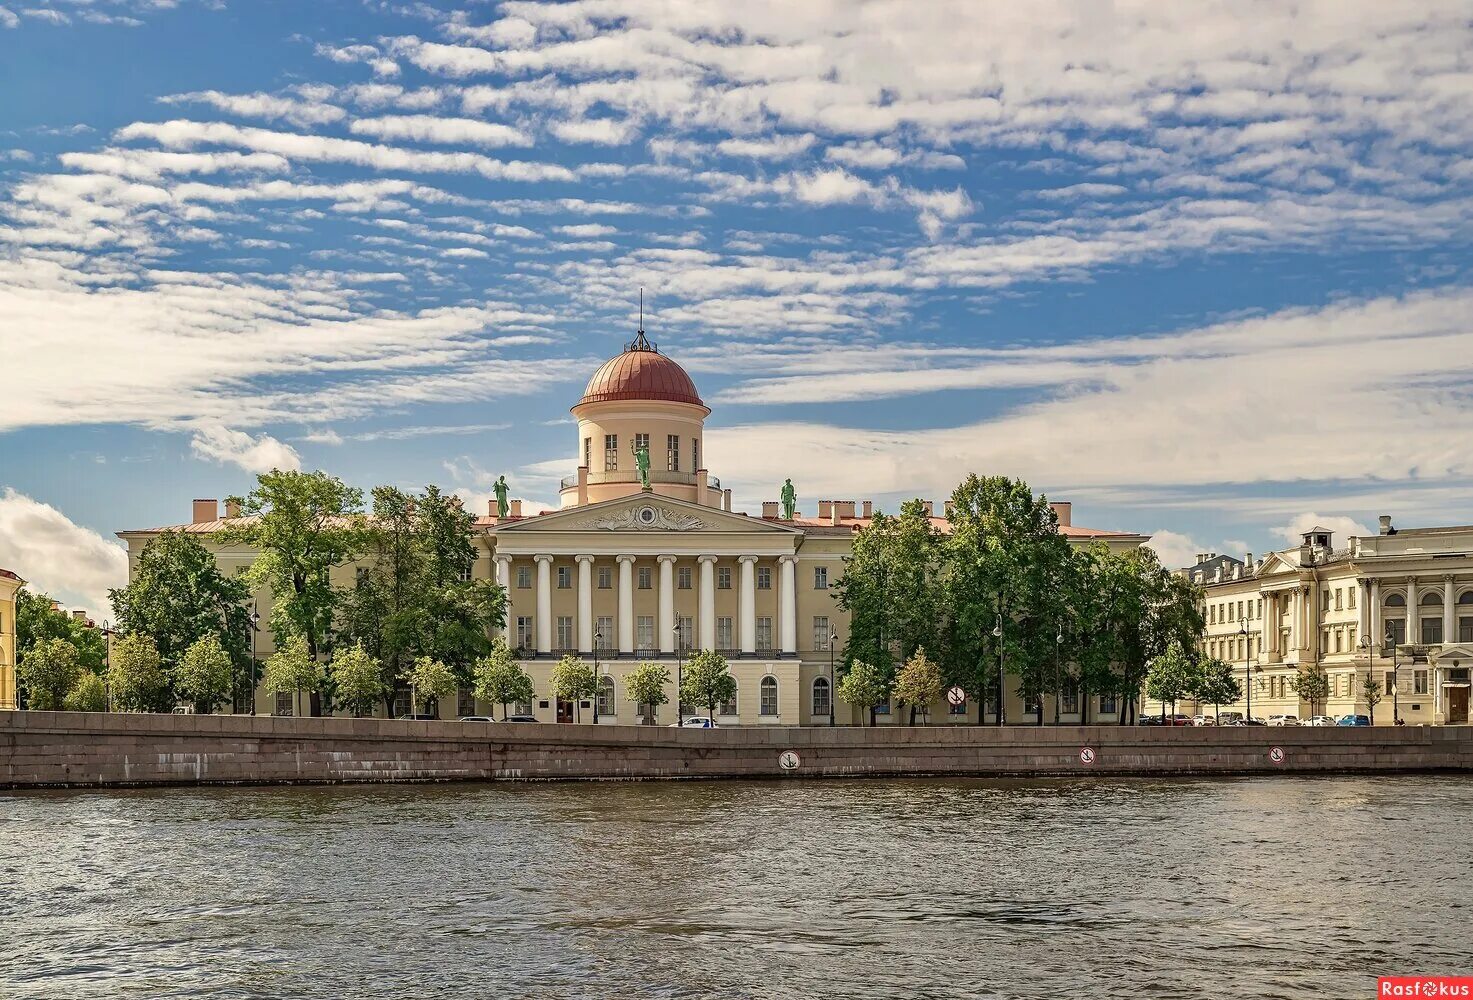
(137, 677)
(573, 679)
(302, 524)
(37, 619)
(431, 680)
(292, 669)
(500, 680)
(1312, 684)
(88, 695)
(707, 681)
(1370, 690)
(463, 613)
(1217, 685)
(178, 596)
(864, 686)
(204, 674)
(918, 684)
(645, 685)
(49, 672)
(1172, 676)
(358, 679)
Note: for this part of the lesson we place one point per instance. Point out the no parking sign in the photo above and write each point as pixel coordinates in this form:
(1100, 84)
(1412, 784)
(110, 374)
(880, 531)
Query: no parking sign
(1276, 754)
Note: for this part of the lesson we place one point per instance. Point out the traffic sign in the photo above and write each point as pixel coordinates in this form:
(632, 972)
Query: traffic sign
(956, 696)
(1086, 755)
(789, 760)
(1276, 754)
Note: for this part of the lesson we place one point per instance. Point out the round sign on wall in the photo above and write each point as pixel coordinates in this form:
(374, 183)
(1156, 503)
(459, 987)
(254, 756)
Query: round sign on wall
(1086, 755)
(1276, 754)
(789, 760)
(956, 696)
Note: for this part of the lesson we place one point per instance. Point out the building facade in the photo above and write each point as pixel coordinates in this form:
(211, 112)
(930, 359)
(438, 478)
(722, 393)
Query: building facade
(646, 559)
(9, 584)
(1396, 607)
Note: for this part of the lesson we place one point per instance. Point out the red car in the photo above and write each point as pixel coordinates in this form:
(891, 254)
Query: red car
(1178, 720)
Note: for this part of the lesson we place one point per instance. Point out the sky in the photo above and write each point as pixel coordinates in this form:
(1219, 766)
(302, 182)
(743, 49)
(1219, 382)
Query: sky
(1201, 269)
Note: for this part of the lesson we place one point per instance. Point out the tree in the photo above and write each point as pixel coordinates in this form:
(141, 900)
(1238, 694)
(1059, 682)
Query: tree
(462, 612)
(1370, 690)
(178, 596)
(88, 695)
(431, 679)
(49, 672)
(646, 685)
(292, 669)
(1312, 684)
(204, 674)
(1171, 676)
(707, 681)
(302, 524)
(864, 686)
(500, 680)
(358, 678)
(37, 619)
(136, 676)
(1217, 685)
(918, 684)
(573, 680)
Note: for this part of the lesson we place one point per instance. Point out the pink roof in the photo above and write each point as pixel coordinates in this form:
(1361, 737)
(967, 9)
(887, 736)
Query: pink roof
(641, 374)
(848, 525)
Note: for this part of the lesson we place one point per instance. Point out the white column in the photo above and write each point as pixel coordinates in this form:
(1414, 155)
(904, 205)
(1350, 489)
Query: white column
(585, 603)
(1294, 603)
(1449, 622)
(503, 580)
(787, 598)
(1414, 631)
(626, 604)
(667, 604)
(747, 613)
(706, 629)
(544, 604)
(1265, 641)
(1378, 628)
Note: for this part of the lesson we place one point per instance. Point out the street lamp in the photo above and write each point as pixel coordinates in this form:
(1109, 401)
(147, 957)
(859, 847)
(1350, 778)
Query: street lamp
(1395, 674)
(1058, 673)
(255, 627)
(107, 663)
(997, 634)
(679, 667)
(1247, 667)
(833, 681)
(597, 680)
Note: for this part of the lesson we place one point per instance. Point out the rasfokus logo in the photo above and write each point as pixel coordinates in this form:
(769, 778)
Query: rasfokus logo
(1425, 986)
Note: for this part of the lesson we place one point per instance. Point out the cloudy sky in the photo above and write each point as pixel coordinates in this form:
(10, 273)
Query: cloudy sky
(1201, 268)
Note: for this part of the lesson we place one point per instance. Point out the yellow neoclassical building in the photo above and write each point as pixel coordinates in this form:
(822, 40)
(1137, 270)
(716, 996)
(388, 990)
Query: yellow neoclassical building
(622, 572)
(9, 584)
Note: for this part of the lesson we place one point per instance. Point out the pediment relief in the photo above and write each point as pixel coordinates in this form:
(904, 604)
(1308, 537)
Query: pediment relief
(644, 514)
(644, 517)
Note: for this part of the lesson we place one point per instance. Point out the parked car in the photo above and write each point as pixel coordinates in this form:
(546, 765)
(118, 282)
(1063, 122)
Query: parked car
(476, 718)
(520, 718)
(1229, 718)
(1148, 720)
(1283, 720)
(1354, 720)
(694, 722)
(419, 717)
(1320, 720)
(1178, 720)
(1203, 720)
(1254, 721)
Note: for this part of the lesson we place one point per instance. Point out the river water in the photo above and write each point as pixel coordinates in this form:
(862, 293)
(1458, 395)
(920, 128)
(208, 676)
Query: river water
(1270, 887)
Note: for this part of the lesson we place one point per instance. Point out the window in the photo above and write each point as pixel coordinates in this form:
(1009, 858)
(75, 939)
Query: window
(1107, 704)
(764, 577)
(525, 635)
(467, 574)
(644, 632)
(605, 632)
(723, 633)
(588, 453)
(284, 704)
(728, 707)
(723, 577)
(1431, 631)
(402, 702)
(1350, 596)
(1339, 599)
(1390, 682)
(360, 577)
(1465, 629)
(524, 577)
(820, 578)
(565, 639)
(821, 632)
(642, 441)
(564, 577)
(683, 578)
(695, 454)
(1350, 638)
(605, 578)
(644, 578)
(672, 452)
(1419, 682)
(822, 700)
(1338, 639)
(1396, 631)
(1069, 703)
(687, 632)
(465, 702)
(883, 708)
(611, 452)
(769, 695)
(1212, 614)
(1259, 606)
(605, 695)
(764, 635)
(1432, 599)
(1396, 601)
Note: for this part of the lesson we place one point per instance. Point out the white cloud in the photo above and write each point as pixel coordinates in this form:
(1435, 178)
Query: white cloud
(448, 131)
(56, 556)
(1343, 527)
(8, 18)
(261, 453)
(597, 131)
(1175, 550)
(267, 106)
(776, 147)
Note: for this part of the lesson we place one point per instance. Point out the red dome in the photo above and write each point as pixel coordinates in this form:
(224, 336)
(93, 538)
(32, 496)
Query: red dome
(641, 374)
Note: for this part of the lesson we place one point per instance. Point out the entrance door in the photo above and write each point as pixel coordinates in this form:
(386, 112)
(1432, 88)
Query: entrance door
(564, 711)
(1457, 705)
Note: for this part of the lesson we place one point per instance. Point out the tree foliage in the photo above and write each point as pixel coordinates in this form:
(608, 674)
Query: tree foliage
(292, 669)
(1172, 676)
(49, 672)
(573, 679)
(430, 680)
(918, 684)
(864, 686)
(358, 679)
(204, 675)
(1370, 690)
(707, 681)
(646, 684)
(1312, 684)
(38, 620)
(137, 676)
(1217, 684)
(500, 680)
(89, 694)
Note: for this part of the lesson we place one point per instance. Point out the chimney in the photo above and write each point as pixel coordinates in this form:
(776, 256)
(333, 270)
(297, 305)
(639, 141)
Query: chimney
(825, 509)
(869, 509)
(928, 507)
(516, 508)
(1248, 561)
(206, 510)
(844, 508)
(79, 616)
(232, 508)
(1064, 511)
(947, 507)
(1201, 558)
(726, 500)
(770, 509)
(1386, 528)
(833, 513)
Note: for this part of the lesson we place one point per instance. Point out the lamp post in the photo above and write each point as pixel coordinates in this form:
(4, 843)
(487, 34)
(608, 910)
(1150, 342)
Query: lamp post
(107, 663)
(1247, 667)
(255, 627)
(997, 634)
(597, 681)
(1395, 676)
(679, 668)
(1058, 672)
(833, 680)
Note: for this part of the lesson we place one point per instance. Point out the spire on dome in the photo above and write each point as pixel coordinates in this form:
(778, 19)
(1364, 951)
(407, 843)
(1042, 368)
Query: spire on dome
(640, 341)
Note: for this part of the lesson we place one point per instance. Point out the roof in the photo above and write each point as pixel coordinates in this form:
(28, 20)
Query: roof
(849, 525)
(641, 372)
(8, 575)
(197, 528)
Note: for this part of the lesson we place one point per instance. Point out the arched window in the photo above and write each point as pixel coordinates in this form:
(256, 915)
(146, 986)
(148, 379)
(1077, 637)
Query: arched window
(1432, 599)
(1467, 597)
(1396, 601)
(769, 695)
(606, 695)
(822, 703)
(728, 707)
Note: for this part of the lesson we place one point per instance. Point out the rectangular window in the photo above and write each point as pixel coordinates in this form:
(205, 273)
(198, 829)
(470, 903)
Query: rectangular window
(1212, 614)
(1259, 605)
(1069, 703)
(764, 579)
(604, 634)
(672, 451)
(820, 578)
(1419, 682)
(1465, 629)
(723, 577)
(1396, 628)
(1240, 610)
(1338, 639)
(1431, 631)
(727, 707)
(645, 578)
(524, 577)
(564, 577)
(695, 454)
(1350, 596)
(644, 633)
(403, 700)
(821, 632)
(641, 441)
(360, 578)
(764, 635)
(465, 702)
(683, 578)
(687, 632)
(611, 452)
(284, 703)
(588, 453)
(723, 633)
(526, 637)
(1107, 704)
(565, 640)
(605, 577)
(1339, 599)
(1390, 682)
(467, 574)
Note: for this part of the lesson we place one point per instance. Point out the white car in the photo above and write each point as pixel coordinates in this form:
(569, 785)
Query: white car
(1319, 720)
(694, 722)
(1283, 720)
(1203, 720)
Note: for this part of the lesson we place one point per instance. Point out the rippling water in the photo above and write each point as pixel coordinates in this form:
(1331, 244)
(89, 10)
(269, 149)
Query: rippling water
(1250, 888)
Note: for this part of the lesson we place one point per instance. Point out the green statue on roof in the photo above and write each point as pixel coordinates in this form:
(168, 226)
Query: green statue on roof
(790, 500)
(642, 463)
(503, 506)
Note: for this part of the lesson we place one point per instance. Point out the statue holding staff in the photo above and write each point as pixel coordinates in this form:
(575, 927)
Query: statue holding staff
(790, 500)
(503, 506)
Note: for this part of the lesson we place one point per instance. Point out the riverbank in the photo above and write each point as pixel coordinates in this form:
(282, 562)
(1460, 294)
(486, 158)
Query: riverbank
(71, 749)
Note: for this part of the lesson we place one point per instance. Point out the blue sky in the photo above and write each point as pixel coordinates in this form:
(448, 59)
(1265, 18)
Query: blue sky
(1202, 269)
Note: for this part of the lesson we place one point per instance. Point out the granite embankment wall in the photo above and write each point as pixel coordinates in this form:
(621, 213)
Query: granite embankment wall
(60, 749)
